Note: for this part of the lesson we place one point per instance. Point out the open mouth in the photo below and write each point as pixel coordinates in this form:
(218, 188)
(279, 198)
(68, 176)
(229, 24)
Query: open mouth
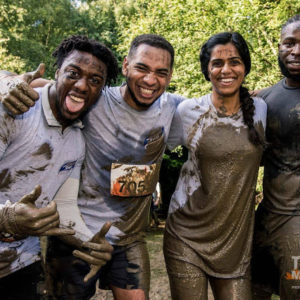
(74, 104)
(147, 93)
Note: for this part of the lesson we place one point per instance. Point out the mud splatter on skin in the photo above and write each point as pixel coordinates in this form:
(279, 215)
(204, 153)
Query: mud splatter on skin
(5, 179)
(46, 150)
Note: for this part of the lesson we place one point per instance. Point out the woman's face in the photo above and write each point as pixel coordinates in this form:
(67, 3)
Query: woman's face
(226, 70)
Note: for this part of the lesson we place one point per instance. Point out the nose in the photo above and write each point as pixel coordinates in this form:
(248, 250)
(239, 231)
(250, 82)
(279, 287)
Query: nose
(81, 84)
(226, 68)
(150, 78)
(296, 49)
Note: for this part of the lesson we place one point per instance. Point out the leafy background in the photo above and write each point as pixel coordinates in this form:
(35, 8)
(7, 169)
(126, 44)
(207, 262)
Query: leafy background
(31, 29)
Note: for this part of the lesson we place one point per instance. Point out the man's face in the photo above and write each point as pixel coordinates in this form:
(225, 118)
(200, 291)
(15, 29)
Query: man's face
(289, 52)
(80, 80)
(148, 73)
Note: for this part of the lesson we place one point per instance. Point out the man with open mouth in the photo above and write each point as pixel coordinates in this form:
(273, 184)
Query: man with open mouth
(45, 147)
(126, 133)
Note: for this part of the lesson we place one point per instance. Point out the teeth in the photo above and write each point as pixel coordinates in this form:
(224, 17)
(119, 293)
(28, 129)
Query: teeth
(76, 99)
(227, 79)
(146, 91)
(295, 63)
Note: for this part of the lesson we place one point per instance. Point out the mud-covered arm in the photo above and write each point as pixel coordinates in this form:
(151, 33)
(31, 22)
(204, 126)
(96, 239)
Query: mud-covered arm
(16, 94)
(23, 218)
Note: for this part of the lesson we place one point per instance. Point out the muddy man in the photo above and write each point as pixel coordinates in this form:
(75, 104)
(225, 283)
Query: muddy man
(276, 254)
(45, 147)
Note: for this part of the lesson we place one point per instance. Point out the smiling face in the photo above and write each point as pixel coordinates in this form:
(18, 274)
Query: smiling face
(289, 53)
(79, 82)
(226, 70)
(148, 73)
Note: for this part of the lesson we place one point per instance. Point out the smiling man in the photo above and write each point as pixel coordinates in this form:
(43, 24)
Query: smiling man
(276, 256)
(126, 134)
(45, 146)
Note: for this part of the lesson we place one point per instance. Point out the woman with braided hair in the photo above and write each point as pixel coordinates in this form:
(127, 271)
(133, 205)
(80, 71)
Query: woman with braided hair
(210, 225)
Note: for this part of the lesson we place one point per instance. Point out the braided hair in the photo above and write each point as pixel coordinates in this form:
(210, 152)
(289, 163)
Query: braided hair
(247, 103)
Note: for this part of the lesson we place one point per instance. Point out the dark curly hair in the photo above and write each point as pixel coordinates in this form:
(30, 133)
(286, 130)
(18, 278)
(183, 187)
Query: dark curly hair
(153, 40)
(83, 43)
(247, 103)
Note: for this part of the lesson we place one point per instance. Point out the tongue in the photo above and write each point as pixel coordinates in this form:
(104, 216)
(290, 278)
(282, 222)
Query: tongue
(73, 106)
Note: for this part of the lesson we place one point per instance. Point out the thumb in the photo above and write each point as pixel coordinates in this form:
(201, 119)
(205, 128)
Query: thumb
(101, 234)
(39, 72)
(32, 197)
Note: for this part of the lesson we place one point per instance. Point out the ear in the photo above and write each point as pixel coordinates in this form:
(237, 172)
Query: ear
(56, 74)
(125, 66)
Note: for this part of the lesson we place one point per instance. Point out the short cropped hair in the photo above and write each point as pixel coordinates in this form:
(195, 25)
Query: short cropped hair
(153, 40)
(291, 20)
(83, 43)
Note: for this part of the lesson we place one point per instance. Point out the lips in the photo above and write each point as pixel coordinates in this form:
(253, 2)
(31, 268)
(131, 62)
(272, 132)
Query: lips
(146, 93)
(226, 81)
(74, 104)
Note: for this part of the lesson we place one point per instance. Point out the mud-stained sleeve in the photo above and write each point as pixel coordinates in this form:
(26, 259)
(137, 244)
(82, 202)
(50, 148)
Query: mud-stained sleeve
(260, 111)
(7, 130)
(175, 137)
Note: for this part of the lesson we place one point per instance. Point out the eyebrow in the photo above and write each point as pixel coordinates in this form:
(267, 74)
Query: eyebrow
(146, 66)
(234, 57)
(101, 72)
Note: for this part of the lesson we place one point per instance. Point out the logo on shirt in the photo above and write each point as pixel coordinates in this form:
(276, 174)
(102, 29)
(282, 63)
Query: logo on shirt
(67, 166)
(295, 273)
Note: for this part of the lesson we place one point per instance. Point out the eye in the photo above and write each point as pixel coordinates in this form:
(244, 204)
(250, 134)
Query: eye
(73, 73)
(235, 62)
(96, 80)
(141, 68)
(289, 43)
(216, 64)
(162, 74)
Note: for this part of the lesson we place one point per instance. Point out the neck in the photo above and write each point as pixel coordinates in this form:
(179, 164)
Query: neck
(226, 105)
(128, 98)
(292, 83)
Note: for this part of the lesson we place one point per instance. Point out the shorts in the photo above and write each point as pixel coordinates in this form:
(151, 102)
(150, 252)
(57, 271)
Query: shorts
(129, 268)
(25, 284)
(275, 264)
(188, 281)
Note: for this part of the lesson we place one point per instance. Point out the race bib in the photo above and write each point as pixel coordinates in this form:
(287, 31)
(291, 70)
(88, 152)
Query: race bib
(133, 180)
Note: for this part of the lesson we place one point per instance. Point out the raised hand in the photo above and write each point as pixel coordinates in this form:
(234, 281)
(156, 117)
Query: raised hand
(15, 92)
(24, 218)
(98, 253)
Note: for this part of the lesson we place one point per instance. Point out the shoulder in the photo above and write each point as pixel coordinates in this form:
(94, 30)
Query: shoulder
(266, 92)
(198, 105)
(260, 110)
(171, 99)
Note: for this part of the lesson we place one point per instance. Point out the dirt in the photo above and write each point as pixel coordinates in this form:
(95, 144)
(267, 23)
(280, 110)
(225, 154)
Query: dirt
(159, 286)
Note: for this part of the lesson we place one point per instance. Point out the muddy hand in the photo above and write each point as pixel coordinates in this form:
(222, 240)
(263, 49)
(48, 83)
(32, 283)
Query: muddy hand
(7, 256)
(30, 220)
(99, 251)
(15, 92)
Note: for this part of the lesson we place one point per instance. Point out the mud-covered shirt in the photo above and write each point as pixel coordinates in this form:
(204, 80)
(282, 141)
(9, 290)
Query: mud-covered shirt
(124, 152)
(282, 158)
(212, 208)
(34, 150)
